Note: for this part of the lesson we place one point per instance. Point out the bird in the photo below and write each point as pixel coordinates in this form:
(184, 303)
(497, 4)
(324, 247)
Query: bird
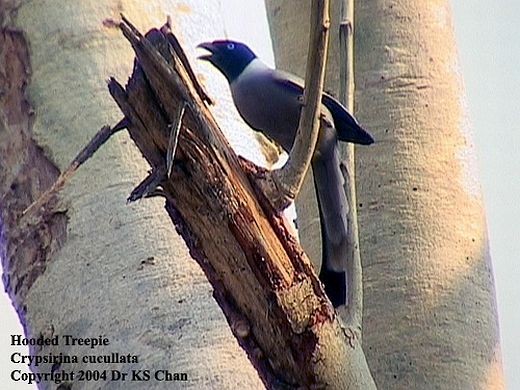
(270, 101)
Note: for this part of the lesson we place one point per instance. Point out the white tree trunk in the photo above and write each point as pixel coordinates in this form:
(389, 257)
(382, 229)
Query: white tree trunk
(108, 268)
(425, 244)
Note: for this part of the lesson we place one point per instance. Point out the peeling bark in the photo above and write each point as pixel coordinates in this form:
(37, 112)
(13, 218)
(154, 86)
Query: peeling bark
(33, 173)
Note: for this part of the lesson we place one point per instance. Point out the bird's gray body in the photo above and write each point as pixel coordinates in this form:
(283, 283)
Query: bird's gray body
(266, 104)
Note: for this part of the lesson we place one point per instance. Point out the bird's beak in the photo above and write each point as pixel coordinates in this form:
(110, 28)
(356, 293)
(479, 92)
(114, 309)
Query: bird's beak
(209, 47)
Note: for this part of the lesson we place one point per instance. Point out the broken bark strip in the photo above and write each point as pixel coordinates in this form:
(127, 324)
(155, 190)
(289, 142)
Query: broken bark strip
(260, 274)
(49, 196)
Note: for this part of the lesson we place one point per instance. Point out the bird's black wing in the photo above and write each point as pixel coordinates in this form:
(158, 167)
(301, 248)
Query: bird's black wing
(347, 127)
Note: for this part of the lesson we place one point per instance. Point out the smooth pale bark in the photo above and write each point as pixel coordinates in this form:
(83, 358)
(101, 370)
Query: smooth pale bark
(425, 243)
(429, 303)
(110, 269)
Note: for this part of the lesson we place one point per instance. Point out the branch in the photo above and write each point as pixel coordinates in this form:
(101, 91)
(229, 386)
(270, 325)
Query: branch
(346, 96)
(285, 183)
(263, 281)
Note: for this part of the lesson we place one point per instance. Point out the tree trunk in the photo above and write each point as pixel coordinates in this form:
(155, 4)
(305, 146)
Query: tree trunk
(429, 310)
(95, 266)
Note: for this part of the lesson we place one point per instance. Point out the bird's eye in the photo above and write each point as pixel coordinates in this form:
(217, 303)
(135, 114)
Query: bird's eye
(230, 46)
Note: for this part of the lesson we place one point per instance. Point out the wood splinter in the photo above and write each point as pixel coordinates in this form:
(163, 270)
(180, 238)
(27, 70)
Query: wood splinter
(175, 129)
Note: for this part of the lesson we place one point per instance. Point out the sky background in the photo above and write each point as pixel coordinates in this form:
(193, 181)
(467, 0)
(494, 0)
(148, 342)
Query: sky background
(489, 51)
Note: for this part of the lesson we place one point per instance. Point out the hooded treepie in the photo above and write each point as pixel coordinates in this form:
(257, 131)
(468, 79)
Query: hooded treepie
(270, 101)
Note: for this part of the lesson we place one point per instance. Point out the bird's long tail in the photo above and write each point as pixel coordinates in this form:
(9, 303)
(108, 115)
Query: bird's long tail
(333, 206)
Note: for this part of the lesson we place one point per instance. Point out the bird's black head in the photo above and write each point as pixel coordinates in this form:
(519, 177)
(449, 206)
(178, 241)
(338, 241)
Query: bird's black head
(229, 57)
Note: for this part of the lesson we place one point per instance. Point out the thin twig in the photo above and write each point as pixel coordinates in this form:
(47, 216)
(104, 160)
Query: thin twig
(290, 177)
(346, 96)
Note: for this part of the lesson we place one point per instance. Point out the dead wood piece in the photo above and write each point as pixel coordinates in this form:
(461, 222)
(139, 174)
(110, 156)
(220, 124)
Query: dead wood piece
(264, 283)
